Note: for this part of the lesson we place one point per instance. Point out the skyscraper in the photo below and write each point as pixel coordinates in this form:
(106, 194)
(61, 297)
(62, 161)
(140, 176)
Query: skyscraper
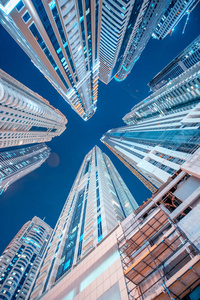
(159, 248)
(98, 200)
(185, 60)
(155, 18)
(180, 94)
(26, 117)
(144, 17)
(172, 16)
(62, 40)
(21, 259)
(114, 23)
(163, 131)
(157, 147)
(15, 164)
(126, 28)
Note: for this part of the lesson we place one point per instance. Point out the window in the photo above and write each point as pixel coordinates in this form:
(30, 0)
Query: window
(26, 17)
(20, 5)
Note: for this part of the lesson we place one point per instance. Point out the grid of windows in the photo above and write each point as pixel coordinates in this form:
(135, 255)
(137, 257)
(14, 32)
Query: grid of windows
(43, 46)
(99, 222)
(21, 259)
(70, 243)
(162, 166)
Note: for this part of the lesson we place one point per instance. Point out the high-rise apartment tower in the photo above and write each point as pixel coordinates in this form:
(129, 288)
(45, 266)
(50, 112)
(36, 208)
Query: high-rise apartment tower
(150, 18)
(114, 23)
(21, 259)
(175, 11)
(185, 60)
(97, 202)
(62, 40)
(159, 248)
(163, 131)
(26, 117)
(15, 164)
(126, 28)
(180, 94)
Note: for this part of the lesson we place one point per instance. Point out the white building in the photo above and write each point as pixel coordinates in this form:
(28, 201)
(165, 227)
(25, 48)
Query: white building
(158, 146)
(114, 23)
(97, 202)
(15, 164)
(182, 62)
(163, 130)
(148, 18)
(178, 95)
(62, 40)
(21, 260)
(26, 117)
(159, 244)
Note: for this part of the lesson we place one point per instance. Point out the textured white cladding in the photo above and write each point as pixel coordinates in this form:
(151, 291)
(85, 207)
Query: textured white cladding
(192, 165)
(97, 202)
(160, 242)
(21, 260)
(98, 276)
(157, 146)
(26, 117)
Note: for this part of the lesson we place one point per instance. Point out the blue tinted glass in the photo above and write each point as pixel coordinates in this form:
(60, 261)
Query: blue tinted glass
(26, 17)
(20, 5)
(100, 238)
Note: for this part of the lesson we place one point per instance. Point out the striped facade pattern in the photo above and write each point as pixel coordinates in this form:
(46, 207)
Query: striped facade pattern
(21, 259)
(26, 117)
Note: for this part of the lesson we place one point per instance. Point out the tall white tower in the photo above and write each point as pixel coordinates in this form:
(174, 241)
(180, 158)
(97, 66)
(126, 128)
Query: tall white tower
(62, 40)
(15, 164)
(163, 130)
(98, 200)
(26, 117)
(21, 259)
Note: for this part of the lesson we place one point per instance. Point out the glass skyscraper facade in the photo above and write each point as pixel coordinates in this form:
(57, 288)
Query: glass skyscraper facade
(163, 130)
(114, 23)
(62, 40)
(178, 95)
(126, 28)
(185, 60)
(157, 147)
(152, 254)
(97, 202)
(15, 164)
(74, 43)
(26, 117)
(144, 17)
(21, 260)
(172, 15)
